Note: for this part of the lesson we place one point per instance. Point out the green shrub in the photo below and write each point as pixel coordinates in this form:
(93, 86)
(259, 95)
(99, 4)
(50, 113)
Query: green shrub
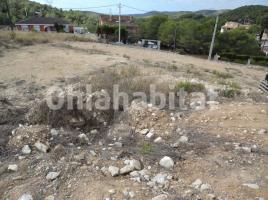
(232, 90)
(190, 87)
(172, 68)
(243, 59)
(146, 148)
(222, 75)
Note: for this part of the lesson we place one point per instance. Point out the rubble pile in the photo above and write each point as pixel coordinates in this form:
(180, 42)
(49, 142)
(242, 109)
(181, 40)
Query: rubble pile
(82, 114)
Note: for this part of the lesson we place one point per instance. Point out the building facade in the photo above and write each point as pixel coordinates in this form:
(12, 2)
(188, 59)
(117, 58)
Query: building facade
(44, 24)
(233, 25)
(126, 21)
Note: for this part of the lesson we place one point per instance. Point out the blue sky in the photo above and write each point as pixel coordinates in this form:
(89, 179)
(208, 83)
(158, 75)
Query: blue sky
(149, 5)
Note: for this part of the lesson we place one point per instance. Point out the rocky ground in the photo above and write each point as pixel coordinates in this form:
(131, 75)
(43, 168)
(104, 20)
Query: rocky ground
(142, 152)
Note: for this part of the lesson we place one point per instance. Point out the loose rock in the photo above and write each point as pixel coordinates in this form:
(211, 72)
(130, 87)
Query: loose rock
(26, 150)
(197, 183)
(52, 175)
(251, 186)
(12, 168)
(114, 171)
(161, 197)
(167, 162)
(26, 197)
(41, 147)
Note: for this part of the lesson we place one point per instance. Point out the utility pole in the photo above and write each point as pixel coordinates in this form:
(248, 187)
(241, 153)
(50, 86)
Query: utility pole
(119, 31)
(175, 38)
(213, 38)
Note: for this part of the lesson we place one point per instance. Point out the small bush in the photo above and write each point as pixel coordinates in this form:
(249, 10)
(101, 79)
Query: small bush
(231, 91)
(126, 56)
(172, 68)
(234, 85)
(146, 148)
(190, 87)
(128, 72)
(222, 75)
(243, 59)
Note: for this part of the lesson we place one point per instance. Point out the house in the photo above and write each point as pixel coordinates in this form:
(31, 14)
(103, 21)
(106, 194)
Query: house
(80, 30)
(233, 25)
(126, 21)
(264, 43)
(44, 24)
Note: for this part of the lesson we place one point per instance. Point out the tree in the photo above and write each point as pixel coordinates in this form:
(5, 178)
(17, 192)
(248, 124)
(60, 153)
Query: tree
(167, 31)
(151, 26)
(264, 25)
(6, 8)
(238, 42)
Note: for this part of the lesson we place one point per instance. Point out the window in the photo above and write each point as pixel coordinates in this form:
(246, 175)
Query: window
(37, 28)
(24, 28)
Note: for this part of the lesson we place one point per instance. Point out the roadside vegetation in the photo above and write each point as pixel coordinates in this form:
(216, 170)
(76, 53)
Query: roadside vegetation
(190, 87)
(24, 38)
(231, 90)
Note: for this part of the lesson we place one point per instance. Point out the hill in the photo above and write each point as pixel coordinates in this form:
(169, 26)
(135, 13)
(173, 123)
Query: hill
(25, 9)
(180, 13)
(253, 12)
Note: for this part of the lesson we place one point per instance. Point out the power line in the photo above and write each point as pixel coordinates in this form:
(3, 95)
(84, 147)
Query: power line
(134, 8)
(105, 6)
(96, 7)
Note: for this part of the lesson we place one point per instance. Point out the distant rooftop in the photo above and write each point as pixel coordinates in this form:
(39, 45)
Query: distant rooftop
(113, 19)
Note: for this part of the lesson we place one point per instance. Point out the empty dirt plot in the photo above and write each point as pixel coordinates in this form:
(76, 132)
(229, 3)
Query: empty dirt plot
(139, 152)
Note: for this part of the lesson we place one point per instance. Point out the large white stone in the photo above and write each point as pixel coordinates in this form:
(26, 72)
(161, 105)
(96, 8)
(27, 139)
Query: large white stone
(161, 197)
(183, 139)
(114, 171)
(26, 197)
(262, 132)
(167, 162)
(205, 186)
(160, 179)
(252, 186)
(144, 131)
(158, 140)
(127, 169)
(135, 164)
(54, 132)
(26, 150)
(150, 135)
(13, 168)
(41, 147)
(52, 175)
(197, 183)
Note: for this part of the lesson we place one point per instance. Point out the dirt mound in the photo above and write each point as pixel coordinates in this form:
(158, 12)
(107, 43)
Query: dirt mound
(77, 116)
(146, 116)
(29, 135)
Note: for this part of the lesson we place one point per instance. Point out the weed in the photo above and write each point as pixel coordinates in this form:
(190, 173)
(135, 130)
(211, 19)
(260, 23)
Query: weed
(126, 56)
(231, 91)
(146, 148)
(190, 87)
(128, 72)
(172, 68)
(222, 75)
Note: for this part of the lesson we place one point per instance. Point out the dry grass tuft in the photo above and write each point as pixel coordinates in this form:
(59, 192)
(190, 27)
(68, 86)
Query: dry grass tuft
(190, 87)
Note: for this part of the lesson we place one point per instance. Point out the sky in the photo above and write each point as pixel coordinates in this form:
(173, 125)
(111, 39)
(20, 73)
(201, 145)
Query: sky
(151, 5)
